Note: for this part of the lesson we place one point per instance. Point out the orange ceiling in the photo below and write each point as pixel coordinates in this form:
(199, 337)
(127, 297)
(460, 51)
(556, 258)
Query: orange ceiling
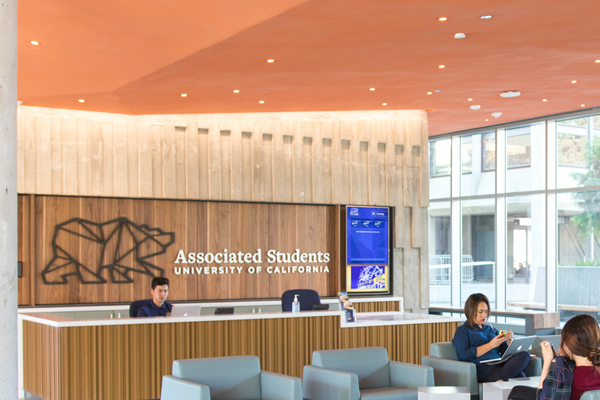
(138, 56)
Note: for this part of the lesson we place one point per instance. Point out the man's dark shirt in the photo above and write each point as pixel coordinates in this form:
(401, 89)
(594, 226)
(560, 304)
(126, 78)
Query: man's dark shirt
(152, 310)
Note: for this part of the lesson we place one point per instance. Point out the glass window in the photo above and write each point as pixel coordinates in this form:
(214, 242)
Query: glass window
(440, 244)
(526, 158)
(578, 151)
(475, 179)
(440, 156)
(578, 253)
(525, 257)
(488, 152)
(466, 156)
(478, 249)
(518, 151)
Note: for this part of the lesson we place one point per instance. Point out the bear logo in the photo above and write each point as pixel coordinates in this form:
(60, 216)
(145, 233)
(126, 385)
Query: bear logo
(117, 248)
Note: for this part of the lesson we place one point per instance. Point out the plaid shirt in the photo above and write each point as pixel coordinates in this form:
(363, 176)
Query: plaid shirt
(557, 386)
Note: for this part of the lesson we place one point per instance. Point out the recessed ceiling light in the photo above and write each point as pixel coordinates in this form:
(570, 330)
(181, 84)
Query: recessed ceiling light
(35, 42)
(81, 100)
(496, 114)
(486, 16)
(442, 66)
(459, 35)
(270, 60)
(486, 119)
(597, 61)
(475, 107)
(261, 102)
(384, 104)
(573, 81)
(183, 94)
(372, 89)
(443, 18)
(545, 100)
(236, 91)
(437, 90)
(583, 105)
(429, 92)
(469, 99)
(510, 93)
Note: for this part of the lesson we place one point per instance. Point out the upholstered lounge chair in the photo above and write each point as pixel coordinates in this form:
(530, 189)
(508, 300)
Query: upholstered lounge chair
(227, 378)
(364, 373)
(448, 371)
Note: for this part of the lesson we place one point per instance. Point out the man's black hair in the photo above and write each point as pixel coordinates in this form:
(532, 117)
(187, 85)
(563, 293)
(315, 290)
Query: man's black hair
(159, 281)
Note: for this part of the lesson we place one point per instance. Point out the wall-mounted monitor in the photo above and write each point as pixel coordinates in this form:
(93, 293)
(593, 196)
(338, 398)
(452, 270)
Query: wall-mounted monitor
(367, 249)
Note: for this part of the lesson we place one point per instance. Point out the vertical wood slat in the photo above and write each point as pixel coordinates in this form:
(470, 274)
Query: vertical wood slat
(32, 247)
(124, 362)
(169, 161)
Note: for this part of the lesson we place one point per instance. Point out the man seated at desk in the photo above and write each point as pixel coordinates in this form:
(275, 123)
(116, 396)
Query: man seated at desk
(158, 306)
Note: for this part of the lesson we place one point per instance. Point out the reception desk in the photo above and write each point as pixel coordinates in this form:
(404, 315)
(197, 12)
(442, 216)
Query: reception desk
(68, 358)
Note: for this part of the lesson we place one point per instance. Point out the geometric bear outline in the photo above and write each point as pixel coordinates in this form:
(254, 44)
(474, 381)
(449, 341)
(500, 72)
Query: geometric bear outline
(110, 242)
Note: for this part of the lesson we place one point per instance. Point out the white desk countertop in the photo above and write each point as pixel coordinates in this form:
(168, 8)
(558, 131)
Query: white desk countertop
(362, 320)
(247, 303)
(396, 318)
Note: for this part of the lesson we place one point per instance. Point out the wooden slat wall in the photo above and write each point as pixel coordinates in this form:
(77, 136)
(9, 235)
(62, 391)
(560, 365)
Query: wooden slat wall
(125, 362)
(23, 251)
(376, 306)
(198, 227)
(42, 356)
(368, 158)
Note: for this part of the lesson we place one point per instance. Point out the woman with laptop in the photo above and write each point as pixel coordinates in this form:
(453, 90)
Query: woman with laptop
(577, 367)
(482, 344)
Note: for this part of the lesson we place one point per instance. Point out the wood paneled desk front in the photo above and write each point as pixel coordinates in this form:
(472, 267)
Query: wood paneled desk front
(67, 358)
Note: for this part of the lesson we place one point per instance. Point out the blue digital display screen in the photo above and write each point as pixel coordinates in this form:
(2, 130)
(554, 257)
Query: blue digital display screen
(367, 235)
(367, 249)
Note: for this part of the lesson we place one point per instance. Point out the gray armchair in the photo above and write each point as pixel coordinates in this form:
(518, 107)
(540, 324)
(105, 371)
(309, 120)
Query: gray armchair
(229, 378)
(364, 373)
(590, 395)
(448, 371)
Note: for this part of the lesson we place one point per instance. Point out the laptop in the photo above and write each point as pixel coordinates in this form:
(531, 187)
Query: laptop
(518, 344)
(185, 310)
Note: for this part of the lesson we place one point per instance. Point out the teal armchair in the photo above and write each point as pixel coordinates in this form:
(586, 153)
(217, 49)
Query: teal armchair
(362, 374)
(227, 378)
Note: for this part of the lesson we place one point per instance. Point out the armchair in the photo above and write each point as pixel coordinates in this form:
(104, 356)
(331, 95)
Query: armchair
(231, 378)
(590, 395)
(362, 374)
(448, 371)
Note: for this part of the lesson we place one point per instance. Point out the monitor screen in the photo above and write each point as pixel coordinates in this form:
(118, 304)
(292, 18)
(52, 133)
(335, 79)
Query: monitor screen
(367, 249)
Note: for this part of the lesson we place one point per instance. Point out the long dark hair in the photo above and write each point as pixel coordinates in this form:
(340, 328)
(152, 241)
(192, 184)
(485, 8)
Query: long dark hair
(471, 306)
(581, 336)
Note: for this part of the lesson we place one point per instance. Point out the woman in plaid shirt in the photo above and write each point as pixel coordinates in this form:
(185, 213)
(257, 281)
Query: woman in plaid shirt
(577, 368)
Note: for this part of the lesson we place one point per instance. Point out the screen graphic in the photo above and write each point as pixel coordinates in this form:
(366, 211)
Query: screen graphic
(367, 249)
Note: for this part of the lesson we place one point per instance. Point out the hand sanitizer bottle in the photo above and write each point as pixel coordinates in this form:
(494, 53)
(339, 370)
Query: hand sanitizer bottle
(296, 304)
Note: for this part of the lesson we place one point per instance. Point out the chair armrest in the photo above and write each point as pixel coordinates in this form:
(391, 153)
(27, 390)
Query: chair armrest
(453, 373)
(410, 375)
(326, 384)
(534, 368)
(590, 395)
(279, 387)
(176, 389)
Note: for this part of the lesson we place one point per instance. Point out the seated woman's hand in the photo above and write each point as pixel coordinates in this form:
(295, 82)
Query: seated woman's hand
(547, 353)
(497, 341)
